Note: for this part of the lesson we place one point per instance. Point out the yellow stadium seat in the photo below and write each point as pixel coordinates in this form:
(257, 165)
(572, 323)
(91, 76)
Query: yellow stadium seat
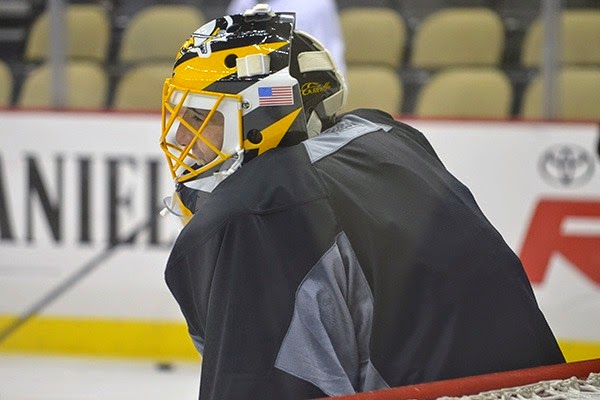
(156, 32)
(459, 37)
(373, 36)
(6, 84)
(578, 95)
(86, 85)
(374, 87)
(88, 34)
(484, 92)
(140, 88)
(579, 39)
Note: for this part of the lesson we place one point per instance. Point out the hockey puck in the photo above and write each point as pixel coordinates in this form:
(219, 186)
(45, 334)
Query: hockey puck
(164, 366)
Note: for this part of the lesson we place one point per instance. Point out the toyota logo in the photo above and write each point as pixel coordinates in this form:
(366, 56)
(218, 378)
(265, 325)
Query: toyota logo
(566, 165)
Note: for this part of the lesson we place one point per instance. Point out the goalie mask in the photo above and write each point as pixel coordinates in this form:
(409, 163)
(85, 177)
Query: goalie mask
(241, 85)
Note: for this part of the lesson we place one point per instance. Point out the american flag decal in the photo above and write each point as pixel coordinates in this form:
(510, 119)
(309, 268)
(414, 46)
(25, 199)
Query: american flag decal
(275, 96)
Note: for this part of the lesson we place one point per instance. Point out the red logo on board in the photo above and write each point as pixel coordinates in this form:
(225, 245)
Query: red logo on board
(546, 236)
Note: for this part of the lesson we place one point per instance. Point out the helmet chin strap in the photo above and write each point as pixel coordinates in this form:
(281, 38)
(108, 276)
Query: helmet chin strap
(239, 158)
(209, 183)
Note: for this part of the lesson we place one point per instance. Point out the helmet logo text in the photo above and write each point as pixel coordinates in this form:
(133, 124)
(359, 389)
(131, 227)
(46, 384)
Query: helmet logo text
(314, 88)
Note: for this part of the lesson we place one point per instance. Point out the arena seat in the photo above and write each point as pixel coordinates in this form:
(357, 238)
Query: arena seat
(372, 65)
(374, 87)
(361, 25)
(578, 95)
(6, 84)
(466, 93)
(415, 11)
(156, 32)
(88, 30)
(140, 88)
(86, 85)
(579, 39)
(458, 37)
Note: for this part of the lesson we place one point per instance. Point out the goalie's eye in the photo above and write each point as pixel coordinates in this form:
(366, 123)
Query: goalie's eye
(198, 115)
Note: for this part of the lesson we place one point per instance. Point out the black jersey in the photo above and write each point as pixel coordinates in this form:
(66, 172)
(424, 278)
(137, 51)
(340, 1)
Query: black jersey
(353, 261)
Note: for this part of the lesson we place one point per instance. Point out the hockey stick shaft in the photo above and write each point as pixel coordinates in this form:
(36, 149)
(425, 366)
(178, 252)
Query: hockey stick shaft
(65, 285)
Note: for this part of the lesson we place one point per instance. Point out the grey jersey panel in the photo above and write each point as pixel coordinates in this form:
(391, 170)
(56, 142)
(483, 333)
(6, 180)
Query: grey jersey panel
(350, 127)
(327, 343)
(198, 343)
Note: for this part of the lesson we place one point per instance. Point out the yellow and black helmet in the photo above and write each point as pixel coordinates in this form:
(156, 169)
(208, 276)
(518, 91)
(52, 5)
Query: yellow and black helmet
(268, 84)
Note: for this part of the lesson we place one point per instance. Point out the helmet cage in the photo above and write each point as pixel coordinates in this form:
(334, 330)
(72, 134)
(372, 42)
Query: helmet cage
(183, 164)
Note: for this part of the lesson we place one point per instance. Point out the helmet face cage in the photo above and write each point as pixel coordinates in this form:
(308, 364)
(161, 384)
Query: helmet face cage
(183, 163)
(246, 68)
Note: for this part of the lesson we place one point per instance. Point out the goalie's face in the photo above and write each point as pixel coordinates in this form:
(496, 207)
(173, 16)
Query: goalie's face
(204, 146)
(200, 131)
